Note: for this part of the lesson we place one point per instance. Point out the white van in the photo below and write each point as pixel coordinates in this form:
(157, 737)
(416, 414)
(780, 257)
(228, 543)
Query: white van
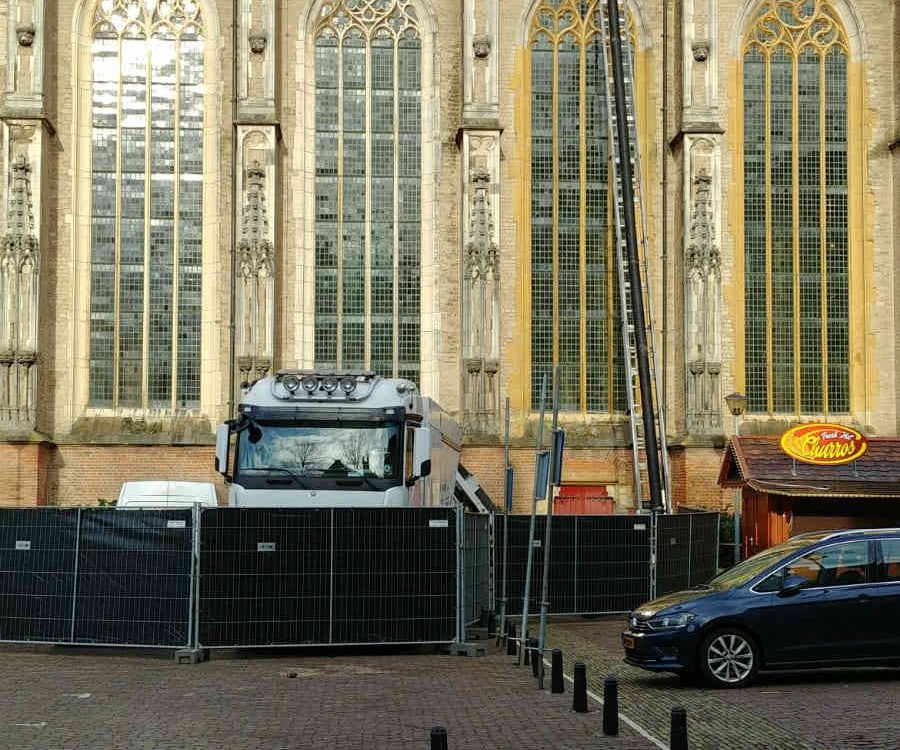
(164, 494)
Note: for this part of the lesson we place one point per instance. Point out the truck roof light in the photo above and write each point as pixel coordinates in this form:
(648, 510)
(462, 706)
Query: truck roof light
(290, 382)
(310, 383)
(348, 385)
(329, 384)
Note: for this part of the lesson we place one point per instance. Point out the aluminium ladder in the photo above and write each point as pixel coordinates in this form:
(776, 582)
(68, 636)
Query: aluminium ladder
(637, 401)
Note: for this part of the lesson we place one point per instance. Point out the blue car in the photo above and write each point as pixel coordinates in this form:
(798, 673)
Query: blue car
(823, 599)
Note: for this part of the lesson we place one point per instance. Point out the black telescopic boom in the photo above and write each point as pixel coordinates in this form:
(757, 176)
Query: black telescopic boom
(634, 270)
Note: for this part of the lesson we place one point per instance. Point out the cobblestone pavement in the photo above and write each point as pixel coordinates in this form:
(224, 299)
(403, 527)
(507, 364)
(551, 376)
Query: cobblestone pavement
(71, 698)
(822, 710)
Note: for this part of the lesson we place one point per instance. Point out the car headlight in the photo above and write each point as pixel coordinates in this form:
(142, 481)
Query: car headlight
(671, 622)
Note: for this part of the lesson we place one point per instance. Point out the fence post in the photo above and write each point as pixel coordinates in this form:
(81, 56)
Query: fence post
(492, 579)
(690, 548)
(575, 565)
(331, 576)
(460, 577)
(75, 575)
(192, 640)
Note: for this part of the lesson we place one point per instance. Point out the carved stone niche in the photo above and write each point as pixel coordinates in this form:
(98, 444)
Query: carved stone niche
(700, 50)
(258, 39)
(481, 46)
(25, 34)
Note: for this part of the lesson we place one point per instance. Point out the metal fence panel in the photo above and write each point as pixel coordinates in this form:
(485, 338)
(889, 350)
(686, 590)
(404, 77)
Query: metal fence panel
(320, 576)
(598, 563)
(612, 559)
(674, 553)
(704, 547)
(37, 573)
(477, 558)
(134, 577)
(264, 576)
(394, 575)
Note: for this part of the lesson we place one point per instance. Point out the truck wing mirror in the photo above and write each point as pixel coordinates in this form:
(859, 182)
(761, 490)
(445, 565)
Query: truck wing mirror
(223, 440)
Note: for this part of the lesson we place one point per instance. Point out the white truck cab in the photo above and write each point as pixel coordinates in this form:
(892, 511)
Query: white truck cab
(327, 439)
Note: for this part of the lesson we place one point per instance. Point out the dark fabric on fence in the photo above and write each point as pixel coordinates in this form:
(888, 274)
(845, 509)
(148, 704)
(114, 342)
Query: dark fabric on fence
(264, 576)
(598, 563)
(674, 557)
(477, 561)
(688, 550)
(319, 576)
(134, 577)
(36, 584)
(130, 583)
(394, 575)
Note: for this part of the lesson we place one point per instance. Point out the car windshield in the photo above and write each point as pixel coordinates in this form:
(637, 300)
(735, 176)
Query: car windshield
(344, 450)
(753, 566)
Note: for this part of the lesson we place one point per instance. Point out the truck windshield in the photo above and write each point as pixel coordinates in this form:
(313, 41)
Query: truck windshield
(323, 450)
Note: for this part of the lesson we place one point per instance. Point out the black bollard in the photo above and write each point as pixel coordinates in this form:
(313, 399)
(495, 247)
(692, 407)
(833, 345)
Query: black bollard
(438, 738)
(525, 643)
(678, 736)
(579, 692)
(511, 640)
(491, 623)
(610, 707)
(537, 660)
(556, 672)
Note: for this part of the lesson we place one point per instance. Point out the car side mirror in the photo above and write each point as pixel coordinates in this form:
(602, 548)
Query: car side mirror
(792, 584)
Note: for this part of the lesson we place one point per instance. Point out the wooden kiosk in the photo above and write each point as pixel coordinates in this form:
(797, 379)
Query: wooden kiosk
(783, 494)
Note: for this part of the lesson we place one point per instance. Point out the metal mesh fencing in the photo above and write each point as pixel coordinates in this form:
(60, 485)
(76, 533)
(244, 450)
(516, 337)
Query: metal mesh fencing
(134, 578)
(674, 553)
(37, 573)
(117, 577)
(265, 576)
(394, 575)
(687, 550)
(477, 565)
(599, 564)
(327, 576)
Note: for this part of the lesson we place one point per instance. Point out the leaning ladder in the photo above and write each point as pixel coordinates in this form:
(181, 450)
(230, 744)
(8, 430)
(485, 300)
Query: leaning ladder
(636, 400)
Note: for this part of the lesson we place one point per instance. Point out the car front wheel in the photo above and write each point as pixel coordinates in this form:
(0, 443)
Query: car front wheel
(729, 658)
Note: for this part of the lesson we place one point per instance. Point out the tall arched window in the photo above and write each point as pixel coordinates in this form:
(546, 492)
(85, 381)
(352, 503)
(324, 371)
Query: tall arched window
(368, 170)
(146, 206)
(796, 277)
(575, 313)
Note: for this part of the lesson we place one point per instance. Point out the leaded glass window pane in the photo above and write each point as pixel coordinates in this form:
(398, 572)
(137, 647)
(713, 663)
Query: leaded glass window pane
(368, 185)
(147, 167)
(795, 212)
(575, 321)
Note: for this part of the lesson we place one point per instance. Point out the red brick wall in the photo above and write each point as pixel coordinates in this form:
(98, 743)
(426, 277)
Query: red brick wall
(695, 472)
(697, 480)
(41, 473)
(24, 469)
(82, 474)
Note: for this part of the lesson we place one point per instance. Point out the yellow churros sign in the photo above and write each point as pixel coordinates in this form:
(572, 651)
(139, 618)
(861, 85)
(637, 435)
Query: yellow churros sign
(824, 444)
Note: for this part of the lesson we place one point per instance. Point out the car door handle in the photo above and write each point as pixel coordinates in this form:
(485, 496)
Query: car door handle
(864, 598)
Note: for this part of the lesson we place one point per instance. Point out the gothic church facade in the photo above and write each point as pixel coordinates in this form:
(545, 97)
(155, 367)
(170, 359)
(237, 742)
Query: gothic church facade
(198, 193)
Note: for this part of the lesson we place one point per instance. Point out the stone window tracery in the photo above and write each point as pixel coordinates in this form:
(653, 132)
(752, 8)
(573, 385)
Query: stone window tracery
(147, 160)
(368, 182)
(796, 260)
(575, 318)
